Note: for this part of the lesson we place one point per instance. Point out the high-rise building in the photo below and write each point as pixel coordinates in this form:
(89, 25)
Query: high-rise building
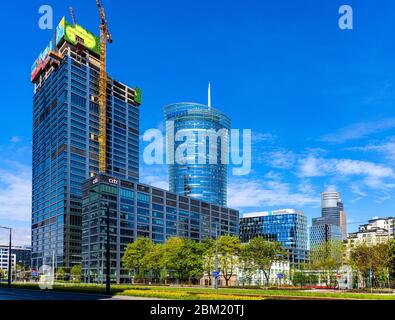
(139, 210)
(332, 225)
(332, 210)
(287, 226)
(204, 179)
(66, 140)
(321, 232)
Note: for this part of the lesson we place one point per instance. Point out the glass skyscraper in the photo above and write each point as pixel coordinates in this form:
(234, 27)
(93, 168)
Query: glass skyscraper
(206, 180)
(332, 225)
(288, 227)
(65, 140)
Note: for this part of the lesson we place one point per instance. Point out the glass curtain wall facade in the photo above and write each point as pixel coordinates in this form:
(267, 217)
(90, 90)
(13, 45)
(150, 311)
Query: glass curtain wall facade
(321, 233)
(332, 210)
(207, 181)
(288, 227)
(66, 148)
(138, 210)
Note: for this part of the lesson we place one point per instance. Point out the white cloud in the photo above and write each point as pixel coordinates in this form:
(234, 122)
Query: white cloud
(387, 149)
(15, 192)
(15, 139)
(356, 189)
(318, 167)
(281, 159)
(258, 137)
(359, 130)
(254, 193)
(20, 237)
(155, 175)
(306, 187)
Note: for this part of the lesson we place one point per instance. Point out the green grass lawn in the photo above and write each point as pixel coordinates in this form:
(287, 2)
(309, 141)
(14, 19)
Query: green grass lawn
(196, 293)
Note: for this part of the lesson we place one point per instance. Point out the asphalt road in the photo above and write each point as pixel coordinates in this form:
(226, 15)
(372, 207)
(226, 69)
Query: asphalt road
(22, 294)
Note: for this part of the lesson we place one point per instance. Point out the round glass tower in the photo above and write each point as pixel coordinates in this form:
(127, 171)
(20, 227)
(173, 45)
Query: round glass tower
(204, 180)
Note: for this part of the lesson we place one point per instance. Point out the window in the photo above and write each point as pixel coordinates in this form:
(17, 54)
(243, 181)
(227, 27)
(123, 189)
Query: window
(128, 194)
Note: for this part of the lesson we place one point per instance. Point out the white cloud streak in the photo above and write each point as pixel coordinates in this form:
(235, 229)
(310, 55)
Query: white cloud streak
(358, 131)
(15, 192)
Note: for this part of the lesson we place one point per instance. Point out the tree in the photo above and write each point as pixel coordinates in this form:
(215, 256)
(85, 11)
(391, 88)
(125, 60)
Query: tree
(209, 257)
(375, 259)
(183, 258)
(246, 265)
(76, 273)
(391, 257)
(2, 274)
(154, 262)
(328, 257)
(135, 256)
(228, 251)
(60, 273)
(264, 253)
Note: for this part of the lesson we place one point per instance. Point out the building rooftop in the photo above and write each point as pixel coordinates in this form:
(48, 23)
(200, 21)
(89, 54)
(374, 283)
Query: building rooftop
(272, 213)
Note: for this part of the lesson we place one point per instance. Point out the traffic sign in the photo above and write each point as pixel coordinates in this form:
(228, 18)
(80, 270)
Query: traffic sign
(216, 274)
(280, 276)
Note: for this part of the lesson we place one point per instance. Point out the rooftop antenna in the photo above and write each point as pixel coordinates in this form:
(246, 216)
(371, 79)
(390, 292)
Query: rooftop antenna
(209, 95)
(72, 16)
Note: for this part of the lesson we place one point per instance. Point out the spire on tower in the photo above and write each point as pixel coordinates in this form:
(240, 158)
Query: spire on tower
(209, 95)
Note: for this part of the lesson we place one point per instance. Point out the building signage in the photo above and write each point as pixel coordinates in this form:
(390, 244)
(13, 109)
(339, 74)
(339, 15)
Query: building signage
(60, 30)
(75, 34)
(41, 61)
(106, 179)
(113, 181)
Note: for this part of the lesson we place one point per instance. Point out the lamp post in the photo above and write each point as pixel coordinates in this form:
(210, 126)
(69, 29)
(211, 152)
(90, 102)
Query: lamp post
(9, 256)
(108, 254)
(216, 258)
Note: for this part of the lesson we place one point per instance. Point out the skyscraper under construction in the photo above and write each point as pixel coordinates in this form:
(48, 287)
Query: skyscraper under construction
(66, 136)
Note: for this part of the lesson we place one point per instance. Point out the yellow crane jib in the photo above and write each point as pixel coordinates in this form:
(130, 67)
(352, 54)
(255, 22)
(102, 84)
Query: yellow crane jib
(105, 37)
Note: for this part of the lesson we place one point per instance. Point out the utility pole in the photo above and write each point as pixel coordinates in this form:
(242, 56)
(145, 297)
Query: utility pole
(53, 265)
(9, 262)
(108, 254)
(216, 259)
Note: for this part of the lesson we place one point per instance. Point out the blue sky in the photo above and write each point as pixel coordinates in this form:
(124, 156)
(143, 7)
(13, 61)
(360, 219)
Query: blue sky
(319, 100)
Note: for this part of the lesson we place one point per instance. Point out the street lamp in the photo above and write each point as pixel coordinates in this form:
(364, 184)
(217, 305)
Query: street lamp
(9, 256)
(108, 254)
(216, 258)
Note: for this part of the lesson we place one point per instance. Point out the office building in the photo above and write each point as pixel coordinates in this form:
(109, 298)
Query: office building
(202, 177)
(139, 210)
(287, 226)
(321, 233)
(332, 210)
(66, 140)
(4, 258)
(332, 225)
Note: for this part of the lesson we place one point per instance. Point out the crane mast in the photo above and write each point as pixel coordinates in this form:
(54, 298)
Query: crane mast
(105, 37)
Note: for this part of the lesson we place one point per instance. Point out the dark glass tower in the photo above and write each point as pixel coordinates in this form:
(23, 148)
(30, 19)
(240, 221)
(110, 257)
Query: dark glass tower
(207, 182)
(65, 140)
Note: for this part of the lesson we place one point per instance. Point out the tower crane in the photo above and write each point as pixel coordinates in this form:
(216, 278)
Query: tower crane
(105, 37)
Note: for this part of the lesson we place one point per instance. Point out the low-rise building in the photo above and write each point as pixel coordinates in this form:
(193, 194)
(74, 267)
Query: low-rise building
(4, 259)
(377, 230)
(139, 210)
